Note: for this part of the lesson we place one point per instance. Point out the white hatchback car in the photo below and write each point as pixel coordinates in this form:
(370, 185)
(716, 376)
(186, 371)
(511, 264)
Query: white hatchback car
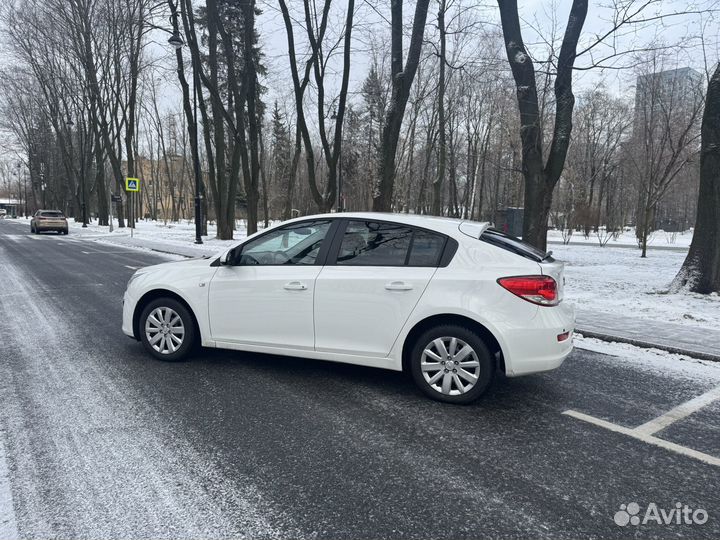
(450, 301)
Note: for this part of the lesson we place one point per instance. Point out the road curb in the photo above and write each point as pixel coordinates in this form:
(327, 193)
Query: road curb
(649, 345)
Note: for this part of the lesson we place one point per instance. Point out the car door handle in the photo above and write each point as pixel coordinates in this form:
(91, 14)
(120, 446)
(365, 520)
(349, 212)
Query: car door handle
(295, 286)
(398, 286)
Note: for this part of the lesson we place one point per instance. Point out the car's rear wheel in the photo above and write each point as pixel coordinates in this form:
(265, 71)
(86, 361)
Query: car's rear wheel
(451, 363)
(167, 329)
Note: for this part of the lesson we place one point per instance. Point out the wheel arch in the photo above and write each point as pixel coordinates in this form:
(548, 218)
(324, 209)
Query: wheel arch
(451, 318)
(154, 295)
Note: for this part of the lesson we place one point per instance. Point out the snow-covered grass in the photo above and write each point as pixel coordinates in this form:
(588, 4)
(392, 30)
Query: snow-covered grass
(618, 280)
(626, 238)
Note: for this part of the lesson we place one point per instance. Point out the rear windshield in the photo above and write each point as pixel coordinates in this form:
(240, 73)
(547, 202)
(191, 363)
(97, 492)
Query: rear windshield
(514, 245)
(52, 214)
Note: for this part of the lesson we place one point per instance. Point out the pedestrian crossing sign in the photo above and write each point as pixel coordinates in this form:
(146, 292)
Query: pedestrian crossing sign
(132, 184)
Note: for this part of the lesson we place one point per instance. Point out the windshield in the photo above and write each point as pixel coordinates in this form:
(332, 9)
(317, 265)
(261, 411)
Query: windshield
(52, 214)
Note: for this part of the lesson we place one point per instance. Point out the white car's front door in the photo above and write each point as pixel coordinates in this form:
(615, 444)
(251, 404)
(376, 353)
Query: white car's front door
(363, 299)
(264, 296)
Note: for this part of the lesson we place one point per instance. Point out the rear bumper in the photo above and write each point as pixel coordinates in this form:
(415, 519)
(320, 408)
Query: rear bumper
(537, 349)
(51, 226)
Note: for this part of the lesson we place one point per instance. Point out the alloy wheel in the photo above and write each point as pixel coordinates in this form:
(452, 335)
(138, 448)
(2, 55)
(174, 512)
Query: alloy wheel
(450, 366)
(164, 330)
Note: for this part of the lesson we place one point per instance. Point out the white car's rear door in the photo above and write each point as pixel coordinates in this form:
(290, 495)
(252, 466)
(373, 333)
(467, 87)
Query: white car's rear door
(365, 294)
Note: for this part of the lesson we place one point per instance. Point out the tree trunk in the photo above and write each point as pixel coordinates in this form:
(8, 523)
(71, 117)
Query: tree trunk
(541, 177)
(401, 82)
(292, 177)
(700, 272)
(437, 206)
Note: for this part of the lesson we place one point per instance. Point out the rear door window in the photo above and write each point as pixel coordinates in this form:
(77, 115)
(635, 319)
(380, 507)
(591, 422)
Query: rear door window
(377, 243)
(373, 243)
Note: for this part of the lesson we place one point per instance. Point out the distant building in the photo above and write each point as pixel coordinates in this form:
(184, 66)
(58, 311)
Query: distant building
(11, 206)
(664, 90)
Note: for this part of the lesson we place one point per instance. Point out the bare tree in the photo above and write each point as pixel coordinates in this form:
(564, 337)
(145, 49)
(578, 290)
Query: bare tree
(402, 78)
(541, 174)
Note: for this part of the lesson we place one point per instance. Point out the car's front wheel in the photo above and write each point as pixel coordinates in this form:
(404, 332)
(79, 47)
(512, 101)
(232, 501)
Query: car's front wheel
(451, 363)
(167, 329)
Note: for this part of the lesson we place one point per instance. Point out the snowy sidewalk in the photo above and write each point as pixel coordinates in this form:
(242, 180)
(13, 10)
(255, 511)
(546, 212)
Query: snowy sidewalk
(190, 250)
(680, 249)
(703, 343)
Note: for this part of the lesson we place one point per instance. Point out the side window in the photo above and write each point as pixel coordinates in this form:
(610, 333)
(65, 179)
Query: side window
(427, 248)
(297, 244)
(370, 243)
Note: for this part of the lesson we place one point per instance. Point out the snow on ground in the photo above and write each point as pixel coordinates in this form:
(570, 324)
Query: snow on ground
(661, 363)
(626, 238)
(176, 237)
(618, 280)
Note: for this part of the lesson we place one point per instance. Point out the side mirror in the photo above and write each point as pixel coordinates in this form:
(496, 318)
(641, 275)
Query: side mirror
(225, 257)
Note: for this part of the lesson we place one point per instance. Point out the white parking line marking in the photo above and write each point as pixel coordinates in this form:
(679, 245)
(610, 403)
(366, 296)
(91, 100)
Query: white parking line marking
(679, 412)
(8, 523)
(644, 437)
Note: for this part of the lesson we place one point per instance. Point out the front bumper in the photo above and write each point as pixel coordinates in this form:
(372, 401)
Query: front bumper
(537, 349)
(129, 304)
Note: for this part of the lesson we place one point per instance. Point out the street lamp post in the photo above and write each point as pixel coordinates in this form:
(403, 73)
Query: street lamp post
(177, 42)
(25, 208)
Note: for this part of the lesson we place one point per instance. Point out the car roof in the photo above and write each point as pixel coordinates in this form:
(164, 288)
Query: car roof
(446, 225)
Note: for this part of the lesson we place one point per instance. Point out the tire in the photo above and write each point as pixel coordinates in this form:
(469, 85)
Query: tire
(65, 231)
(474, 363)
(157, 314)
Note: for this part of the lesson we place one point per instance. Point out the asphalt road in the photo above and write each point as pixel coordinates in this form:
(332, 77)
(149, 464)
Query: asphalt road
(102, 441)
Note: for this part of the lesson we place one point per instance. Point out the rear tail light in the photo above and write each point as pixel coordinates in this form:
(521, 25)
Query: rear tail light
(540, 290)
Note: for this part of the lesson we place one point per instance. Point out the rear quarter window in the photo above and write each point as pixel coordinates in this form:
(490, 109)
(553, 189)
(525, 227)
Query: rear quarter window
(427, 248)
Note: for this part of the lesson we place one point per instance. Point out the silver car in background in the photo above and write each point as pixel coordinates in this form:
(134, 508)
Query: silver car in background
(49, 220)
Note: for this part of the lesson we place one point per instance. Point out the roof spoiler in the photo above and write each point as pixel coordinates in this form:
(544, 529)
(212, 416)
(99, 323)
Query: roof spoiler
(473, 229)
